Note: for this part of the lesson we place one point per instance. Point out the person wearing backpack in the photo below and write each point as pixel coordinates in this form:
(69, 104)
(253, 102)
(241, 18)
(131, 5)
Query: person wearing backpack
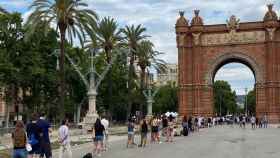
(45, 144)
(19, 141)
(34, 133)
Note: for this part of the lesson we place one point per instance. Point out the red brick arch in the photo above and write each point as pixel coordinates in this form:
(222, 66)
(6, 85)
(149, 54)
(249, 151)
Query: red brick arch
(216, 63)
(203, 49)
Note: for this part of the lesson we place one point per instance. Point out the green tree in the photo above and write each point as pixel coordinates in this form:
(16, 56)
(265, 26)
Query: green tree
(166, 99)
(11, 34)
(69, 16)
(224, 98)
(132, 37)
(147, 58)
(108, 37)
(251, 101)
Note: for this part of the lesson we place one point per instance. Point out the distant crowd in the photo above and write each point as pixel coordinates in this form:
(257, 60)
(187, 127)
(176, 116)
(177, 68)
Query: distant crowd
(169, 126)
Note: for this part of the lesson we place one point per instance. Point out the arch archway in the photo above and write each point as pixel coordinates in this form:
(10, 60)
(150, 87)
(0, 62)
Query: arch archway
(237, 57)
(203, 49)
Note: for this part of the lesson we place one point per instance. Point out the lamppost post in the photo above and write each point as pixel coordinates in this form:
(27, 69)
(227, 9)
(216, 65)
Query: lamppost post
(221, 105)
(246, 106)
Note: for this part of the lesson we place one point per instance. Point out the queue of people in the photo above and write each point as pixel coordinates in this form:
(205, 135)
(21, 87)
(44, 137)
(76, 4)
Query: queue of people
(34, 141)
(161, 128)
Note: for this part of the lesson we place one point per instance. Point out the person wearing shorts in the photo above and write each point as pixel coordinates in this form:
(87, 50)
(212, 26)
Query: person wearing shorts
(130, 133)
(99, 136)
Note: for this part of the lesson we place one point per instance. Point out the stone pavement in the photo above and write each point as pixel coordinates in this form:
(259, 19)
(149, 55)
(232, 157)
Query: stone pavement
(220, 142)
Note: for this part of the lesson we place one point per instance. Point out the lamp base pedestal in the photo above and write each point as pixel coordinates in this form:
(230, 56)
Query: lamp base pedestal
(89, 121)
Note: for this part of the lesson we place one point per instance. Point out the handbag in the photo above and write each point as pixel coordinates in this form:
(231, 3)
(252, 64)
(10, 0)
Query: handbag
(28, 146)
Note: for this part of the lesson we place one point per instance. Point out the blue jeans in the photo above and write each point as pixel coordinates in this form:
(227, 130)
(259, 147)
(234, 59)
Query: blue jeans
(20, 153)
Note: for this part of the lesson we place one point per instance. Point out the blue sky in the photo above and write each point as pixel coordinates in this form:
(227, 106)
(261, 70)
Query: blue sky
(159, 17)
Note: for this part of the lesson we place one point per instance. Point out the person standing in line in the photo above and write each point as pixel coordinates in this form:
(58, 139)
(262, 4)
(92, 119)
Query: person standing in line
(170, 134)
(185, 126)
(45, 144)
(214, 121)
(240, 121)
(154, 129)
(196, 124)
(64, 139)
(34, 133)
(130, 133)
(99, 130)
(244, 121)
(257, 122)
(158, 129)
(19, 141)
(190, 124)
(105, 143)
(253, 122)
(144, 133)
(265, 120)
(164, 126)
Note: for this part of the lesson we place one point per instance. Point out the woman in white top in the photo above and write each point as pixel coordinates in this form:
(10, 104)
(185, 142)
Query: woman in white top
(64, 140)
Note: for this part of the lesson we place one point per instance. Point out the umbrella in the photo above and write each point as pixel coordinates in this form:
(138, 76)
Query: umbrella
(167, 114)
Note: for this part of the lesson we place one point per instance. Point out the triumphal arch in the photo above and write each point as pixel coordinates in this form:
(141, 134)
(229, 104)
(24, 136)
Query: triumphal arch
(203, 49)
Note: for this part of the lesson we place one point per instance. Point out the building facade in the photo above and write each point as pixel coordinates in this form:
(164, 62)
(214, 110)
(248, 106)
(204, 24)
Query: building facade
(171, 75)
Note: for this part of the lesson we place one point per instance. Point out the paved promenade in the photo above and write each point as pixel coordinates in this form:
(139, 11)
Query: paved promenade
(220, 142)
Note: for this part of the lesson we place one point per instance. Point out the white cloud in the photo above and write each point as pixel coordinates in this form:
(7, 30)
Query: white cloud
(165, 12)
(238, 76)
(14, 3)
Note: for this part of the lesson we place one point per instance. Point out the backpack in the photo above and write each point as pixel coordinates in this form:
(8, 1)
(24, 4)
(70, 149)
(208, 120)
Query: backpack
(88, 155)
(32, 140)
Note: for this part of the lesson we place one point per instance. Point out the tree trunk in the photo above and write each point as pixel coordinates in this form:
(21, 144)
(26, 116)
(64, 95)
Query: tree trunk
(62, 28)
(130, 77)
(142, 88)
(79, 113)
(110, 81)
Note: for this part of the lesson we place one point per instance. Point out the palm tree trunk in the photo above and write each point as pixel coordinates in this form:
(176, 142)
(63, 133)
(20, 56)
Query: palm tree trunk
(143, 75)
(110, 82)
(142, 88)
(62, 28)
(130, 77)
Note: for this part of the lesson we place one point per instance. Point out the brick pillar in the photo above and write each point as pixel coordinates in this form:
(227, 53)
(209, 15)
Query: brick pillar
(260, 100)
(272, 84)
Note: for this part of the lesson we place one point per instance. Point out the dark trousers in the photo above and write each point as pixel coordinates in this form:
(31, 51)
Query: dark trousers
(46, 150)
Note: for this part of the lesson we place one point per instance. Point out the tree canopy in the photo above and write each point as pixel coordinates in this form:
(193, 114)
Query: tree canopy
(224, 99)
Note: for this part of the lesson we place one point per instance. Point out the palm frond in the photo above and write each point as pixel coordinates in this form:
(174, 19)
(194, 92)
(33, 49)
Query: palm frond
(73, 14)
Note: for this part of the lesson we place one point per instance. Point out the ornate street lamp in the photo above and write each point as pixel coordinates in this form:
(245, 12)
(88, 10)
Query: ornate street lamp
(92, 85)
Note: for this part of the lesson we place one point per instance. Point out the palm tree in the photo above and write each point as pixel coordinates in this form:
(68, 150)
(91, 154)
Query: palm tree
(133, 36)
(108, 37)
(69, 16)
(147, 57)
